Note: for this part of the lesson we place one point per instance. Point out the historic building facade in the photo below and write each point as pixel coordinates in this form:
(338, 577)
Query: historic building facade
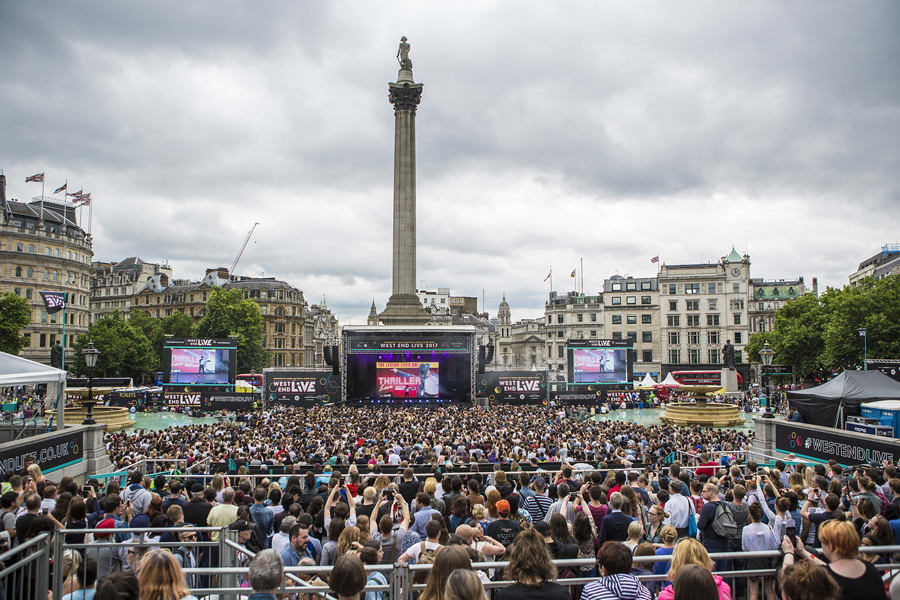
(114, 284)
(44, 248)
(573, 316)
(632, 312)
(520, 345)
(767, 296)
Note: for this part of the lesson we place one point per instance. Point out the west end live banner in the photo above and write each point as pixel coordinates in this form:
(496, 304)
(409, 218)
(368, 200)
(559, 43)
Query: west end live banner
(846, 449)
(49, 454)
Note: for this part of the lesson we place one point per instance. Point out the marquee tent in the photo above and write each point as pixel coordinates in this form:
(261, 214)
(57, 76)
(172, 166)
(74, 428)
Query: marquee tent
(16, 371)
(820, 405)
(647, 382)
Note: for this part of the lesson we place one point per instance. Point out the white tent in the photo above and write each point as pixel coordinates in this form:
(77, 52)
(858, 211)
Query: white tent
(647, 382)
(669, 381)
(15, 370)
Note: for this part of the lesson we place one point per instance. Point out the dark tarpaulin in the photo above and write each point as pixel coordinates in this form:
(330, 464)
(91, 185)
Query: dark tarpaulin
(819, 405)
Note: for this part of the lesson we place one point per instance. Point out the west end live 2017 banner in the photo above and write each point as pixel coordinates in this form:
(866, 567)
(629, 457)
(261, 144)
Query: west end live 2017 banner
(227, 401)
(515, 387)
(49, 454)
(301, 388)
(846, 449)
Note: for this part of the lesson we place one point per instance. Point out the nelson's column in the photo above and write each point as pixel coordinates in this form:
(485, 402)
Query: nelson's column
(403, 307)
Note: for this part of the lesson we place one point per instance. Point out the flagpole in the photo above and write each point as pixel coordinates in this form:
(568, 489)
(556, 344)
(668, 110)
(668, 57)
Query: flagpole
(582, 276)
(43, 177)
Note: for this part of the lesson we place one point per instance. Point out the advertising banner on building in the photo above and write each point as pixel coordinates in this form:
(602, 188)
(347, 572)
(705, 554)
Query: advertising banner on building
(824, 443)
(49, 454)
(513, 387)
(301, 388)
(213, 401)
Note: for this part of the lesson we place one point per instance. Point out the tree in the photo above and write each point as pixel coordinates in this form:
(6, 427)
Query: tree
(15, 313)
(228, 314)
(178, 325)
(124, 349)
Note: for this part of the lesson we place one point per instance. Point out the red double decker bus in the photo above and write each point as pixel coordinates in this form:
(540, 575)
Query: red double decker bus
(253, 379)
(701, 377)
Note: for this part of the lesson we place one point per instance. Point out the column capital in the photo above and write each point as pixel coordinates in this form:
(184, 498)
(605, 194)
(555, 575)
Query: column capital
(405, 96)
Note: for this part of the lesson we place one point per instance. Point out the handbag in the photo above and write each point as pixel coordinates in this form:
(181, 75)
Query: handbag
(692, 525)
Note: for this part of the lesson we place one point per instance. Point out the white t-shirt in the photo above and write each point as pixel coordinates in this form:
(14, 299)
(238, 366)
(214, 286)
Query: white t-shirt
(416, 549)
(431, 384)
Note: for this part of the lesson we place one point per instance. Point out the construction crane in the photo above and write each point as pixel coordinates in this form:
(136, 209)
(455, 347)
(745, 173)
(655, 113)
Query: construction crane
(241, 251)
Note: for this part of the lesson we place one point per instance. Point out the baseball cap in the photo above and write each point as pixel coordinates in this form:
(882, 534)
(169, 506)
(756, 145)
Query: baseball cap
(107, 523)
(503, 507)
(240, 525)
(540, 481)
(542, 527)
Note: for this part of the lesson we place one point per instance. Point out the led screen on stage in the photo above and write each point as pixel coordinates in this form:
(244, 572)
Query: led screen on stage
(408, 379)
(195, 365)
(599, 362)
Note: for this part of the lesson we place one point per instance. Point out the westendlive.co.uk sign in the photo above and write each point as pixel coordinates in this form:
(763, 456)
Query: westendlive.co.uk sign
(833, 444)
(49, 454)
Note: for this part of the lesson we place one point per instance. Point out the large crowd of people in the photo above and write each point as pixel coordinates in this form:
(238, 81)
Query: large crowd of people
(527, 485)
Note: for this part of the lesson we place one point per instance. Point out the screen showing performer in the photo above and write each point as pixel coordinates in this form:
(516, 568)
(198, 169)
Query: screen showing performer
(408, 379)
(600, 365)
(199, 365)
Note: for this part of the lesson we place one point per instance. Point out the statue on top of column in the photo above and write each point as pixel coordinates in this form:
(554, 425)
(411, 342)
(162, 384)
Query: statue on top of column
(403, 55)
(728, 355)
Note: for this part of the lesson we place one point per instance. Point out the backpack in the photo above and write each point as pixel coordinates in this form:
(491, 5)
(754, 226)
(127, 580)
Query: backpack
(723, 522)
(426, 556)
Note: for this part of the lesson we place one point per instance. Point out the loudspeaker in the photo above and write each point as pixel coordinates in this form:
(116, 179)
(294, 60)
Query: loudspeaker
(326, 354)
(481, 358)
(335, 360)
(490, 355)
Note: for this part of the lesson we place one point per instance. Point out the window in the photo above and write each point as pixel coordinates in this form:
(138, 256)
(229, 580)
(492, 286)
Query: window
(692, 288)
(674, 356)
(632, 336)
(593, 317)
(593, 333)
(580, 317)
(559, 318)
(646, 336)
(693, 337)
(647, 356)
(646, 319)
(559, 334)
(713, 355)
(631, 286)
(738, 336)
(673, 304)
(674, 338)
(737, 357)
(617, 319)
(617, 335)
(631, 300)
(617, 300)
(672, 289)
(694, 356)
(712, 319)
(737, 318)
(560, 351)
(19, 272)
(645, 299)
(645, 285)
(617, 287)
(693, 320)
(29, 293)
(712, 338)
(31, 248)
(762, 306)
(631, 319)
(674, 321)
(693, 305)
(712, 288)
(737, 304)
(736, 288)
(20, 247)
(43, 340)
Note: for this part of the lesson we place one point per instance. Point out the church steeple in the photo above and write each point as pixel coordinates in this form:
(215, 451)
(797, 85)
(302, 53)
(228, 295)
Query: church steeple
(373, 315)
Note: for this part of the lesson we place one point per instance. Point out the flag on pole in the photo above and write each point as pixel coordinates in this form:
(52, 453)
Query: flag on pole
(54, 301)
(548, 275)
(75, 194)
(862, 333)
(61, 188)
(655, 259)
(572, 274)
(84, 199)
(37, 178)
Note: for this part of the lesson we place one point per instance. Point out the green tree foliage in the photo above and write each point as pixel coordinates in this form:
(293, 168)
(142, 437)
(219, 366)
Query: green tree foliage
(124, 349)
(178, 325)
(822, 333)
(14, 315)
(228, 314)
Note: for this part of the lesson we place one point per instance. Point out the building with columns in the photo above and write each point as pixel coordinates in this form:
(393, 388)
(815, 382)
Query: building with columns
(113, 284)
(573, 316)
(43, 248)
(767, 296)
(519, 345)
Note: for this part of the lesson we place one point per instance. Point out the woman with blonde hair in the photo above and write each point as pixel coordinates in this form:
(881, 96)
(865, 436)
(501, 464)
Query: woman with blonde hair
(531, 567)
(668, 535)
(446, 560)
(161, 578)
(840, 544)
(689, 551)
(480, 515)
(635, 535)
(350, 538)
(464, 584)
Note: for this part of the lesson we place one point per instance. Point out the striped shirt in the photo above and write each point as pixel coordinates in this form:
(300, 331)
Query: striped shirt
(537, 506)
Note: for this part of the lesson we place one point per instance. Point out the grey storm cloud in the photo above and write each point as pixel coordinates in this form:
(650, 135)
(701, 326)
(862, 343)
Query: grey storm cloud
(547, 132)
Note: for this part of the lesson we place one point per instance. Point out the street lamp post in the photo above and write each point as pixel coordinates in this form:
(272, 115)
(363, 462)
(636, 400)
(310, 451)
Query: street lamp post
(90, 360)
(765, 354)
(862, 334)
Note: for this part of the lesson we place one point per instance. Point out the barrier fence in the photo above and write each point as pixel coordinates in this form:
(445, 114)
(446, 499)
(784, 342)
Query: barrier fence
(223, 566)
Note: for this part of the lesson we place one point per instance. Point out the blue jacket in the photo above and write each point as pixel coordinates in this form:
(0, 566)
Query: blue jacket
(263, 517)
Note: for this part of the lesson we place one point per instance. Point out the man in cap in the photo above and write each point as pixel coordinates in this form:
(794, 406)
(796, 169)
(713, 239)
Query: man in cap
(504, 529)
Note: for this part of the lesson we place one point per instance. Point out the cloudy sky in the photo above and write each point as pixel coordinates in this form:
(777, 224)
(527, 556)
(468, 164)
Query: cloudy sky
(547, 132)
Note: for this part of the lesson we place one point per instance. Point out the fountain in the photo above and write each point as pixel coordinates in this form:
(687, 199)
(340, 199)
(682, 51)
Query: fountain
(701, 411)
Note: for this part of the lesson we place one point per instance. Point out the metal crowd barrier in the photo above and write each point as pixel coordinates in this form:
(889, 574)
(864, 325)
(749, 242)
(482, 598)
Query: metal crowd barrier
(228, 578)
